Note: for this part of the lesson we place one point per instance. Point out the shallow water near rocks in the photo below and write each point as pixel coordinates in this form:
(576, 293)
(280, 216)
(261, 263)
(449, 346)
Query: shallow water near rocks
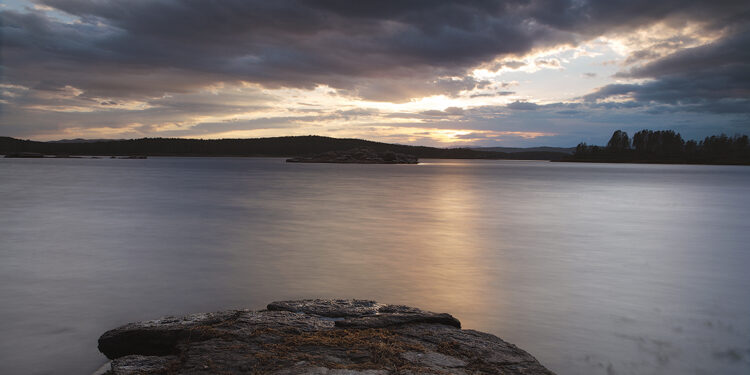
(592, 268)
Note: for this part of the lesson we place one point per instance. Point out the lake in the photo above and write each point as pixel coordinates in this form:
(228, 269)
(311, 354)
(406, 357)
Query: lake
(592, 268)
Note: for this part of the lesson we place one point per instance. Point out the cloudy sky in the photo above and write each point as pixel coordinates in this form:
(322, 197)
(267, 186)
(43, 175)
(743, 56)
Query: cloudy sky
(445, 73)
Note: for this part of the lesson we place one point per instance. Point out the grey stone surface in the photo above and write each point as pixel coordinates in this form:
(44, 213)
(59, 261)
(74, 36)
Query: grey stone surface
(364, 313)
(434, 359)
(332, 337)
(136, 364)
(332, 308)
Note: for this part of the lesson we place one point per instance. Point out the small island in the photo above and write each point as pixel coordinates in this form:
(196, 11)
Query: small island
(342, 337)
(358, 156)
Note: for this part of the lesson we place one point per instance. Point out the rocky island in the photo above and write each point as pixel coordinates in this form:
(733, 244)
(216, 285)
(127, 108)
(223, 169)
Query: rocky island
(341, 337)
(359, 156)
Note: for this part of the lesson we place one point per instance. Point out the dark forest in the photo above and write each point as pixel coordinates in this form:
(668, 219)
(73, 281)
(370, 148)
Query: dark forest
(666, 146)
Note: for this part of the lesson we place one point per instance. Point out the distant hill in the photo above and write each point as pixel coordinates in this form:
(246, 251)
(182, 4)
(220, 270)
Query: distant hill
(510, 150)
(275, 146)
(81, 140)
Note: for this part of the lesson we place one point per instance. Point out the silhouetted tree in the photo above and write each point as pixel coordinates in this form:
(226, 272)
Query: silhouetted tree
(691, 149)
(658, 144)
(619, 142)
(582, 150)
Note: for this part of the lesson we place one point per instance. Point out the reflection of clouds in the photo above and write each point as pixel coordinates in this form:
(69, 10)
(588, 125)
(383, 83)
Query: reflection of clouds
(448, 246)
(411, 239)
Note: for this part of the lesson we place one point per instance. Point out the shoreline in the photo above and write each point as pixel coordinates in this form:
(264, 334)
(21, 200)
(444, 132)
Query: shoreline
(643, 162)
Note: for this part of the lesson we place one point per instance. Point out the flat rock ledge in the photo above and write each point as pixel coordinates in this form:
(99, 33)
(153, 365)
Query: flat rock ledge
(358, 156)
(333, 337)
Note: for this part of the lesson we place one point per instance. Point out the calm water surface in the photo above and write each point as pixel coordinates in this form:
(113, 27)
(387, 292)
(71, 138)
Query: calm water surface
(593, 268)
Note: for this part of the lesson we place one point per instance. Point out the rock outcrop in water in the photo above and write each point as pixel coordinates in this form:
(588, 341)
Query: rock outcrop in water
(312, 337)
(24, 155)
(359, 156)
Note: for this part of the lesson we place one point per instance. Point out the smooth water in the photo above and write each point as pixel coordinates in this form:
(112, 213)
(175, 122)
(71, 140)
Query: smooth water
(592, 268)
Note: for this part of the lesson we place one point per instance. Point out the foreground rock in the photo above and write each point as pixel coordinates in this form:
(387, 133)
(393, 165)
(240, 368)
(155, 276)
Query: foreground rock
(359, 155)
(312, 337)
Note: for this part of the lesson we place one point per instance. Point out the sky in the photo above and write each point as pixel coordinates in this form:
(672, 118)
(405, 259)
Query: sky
(515, 73)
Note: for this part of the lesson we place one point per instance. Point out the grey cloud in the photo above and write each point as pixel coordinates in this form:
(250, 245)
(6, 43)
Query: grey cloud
(569, 112)
(729, 51)
(471, 136)
(659, 49)
(450, 111)
(347, 45)
(710, 78)
(493, 94)
(548, 62)
(401, 89)
(357, 112)
(206, 128)
(523, 106)
(294, 44)
(644, 54)
(593, 17)
(511, 64)
(173, 109)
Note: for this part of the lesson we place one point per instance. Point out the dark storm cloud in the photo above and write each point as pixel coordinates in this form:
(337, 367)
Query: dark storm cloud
(284, 43)
(733, 50)
(711, 78)
(390, 50)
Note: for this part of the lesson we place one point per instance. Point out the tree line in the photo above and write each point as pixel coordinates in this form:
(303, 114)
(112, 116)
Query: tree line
(666, 146)
(273, 147)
